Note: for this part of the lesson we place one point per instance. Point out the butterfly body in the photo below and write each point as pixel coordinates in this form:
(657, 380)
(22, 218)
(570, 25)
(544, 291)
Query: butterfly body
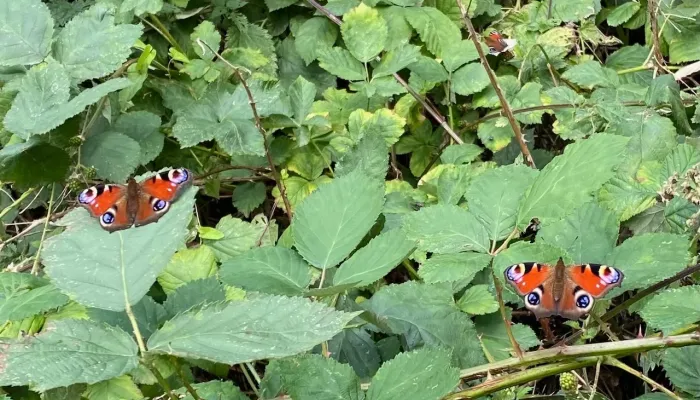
(120, 206)
(498, 44)
(560, 290)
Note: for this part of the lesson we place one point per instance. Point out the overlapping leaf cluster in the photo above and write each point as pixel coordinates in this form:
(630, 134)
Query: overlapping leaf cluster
(406, 189)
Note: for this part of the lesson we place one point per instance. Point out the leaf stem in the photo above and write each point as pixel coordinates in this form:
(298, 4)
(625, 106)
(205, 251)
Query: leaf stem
(504, 315)
(163, 30)
(249, 379)
(161, 380)
(619, 364)
(515, 125)
(17, 202)
(127, 305)
(432, 110)
(183, 378)
(35, 267)
(258, 124)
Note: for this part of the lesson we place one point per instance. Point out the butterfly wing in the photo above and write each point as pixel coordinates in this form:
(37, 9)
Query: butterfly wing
(107, 203)
(533, 281)
(585, 283)
(157, 193)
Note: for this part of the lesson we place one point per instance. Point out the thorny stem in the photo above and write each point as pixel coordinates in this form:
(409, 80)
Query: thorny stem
(504, 315)
(35, 267)
(559, 353)
(423, 101)
(258, 124)
(619, 364)
(515, 125)
(183, 378)
(653, 7)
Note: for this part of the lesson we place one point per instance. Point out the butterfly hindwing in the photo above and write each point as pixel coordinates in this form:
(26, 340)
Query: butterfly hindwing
(108, 203)
(158, 192)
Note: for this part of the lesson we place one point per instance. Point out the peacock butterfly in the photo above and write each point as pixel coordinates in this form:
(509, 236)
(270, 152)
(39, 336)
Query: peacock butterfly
(498, 44)
(120, 206)
(560, 290)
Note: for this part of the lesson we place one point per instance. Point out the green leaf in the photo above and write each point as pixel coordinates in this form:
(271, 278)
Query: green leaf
(684, 48)
(199, 292)
(211, 38)
(122, 388)
(307, 162)
(529, 96)
(249, 196)
(341, 63)
(460, 153)
(273, 270)
(364, 32)
(588, 234)
(114, 266)
(649, 258)
(43, 103)
(630, 57)
(144, 128)
(301, 95)
(370, 155)
(114, 155)
(357, 348)
(186, 266)
(665, 91)
(673, 309)
(458, 267)
(573, 10)
(291, 66)
(456, 54)
(278, 4)
(453, 182)
(140, 7)
(477, 300)
(494, 197)
(495, 339)
(652, 139)
(427, 315)
(623, 13)
(383, 122)
(562, 185)
(149, 316)
(33, 163)
(375, 260)
(327, 226)
(315, 36)
(470, 79)
(395, 60)
(428, 69)
(26, 31)
(400, 31)
(446, 229)
(230, 125)
(91, 45)
(679, 161)
(67, 352)
(32, 302)
(496, 133)
(683, 369)
(239, 237)
(591, 74)
(428, 372)
(676, 216)
(435, 29)
(259, 328)
(626, 197)
(314, 377)
(214, 390)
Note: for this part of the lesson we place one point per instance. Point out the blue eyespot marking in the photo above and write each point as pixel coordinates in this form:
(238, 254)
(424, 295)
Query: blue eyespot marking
(159, 205)
(178, 175)
(107, 218)
(583, 301)
(533, 299)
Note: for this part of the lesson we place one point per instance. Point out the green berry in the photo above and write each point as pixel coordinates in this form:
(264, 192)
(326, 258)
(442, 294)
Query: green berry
(75, 184)
(567, 381)
(90, 172)
(75, 141)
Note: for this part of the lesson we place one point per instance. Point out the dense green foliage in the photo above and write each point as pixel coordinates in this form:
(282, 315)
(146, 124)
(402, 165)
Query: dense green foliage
(360, 183)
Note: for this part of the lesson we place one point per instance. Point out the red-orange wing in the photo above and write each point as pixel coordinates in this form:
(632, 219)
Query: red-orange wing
(158, 192)
(108, 203)
(595, 279)
(527, 276)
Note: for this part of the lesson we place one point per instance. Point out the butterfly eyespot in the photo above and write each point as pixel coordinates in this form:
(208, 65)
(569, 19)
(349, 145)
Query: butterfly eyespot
(107, 218)
(87, 195)
(583, 301)
(178, 175)
(533, 299)
(159, 205)
(609, 275)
